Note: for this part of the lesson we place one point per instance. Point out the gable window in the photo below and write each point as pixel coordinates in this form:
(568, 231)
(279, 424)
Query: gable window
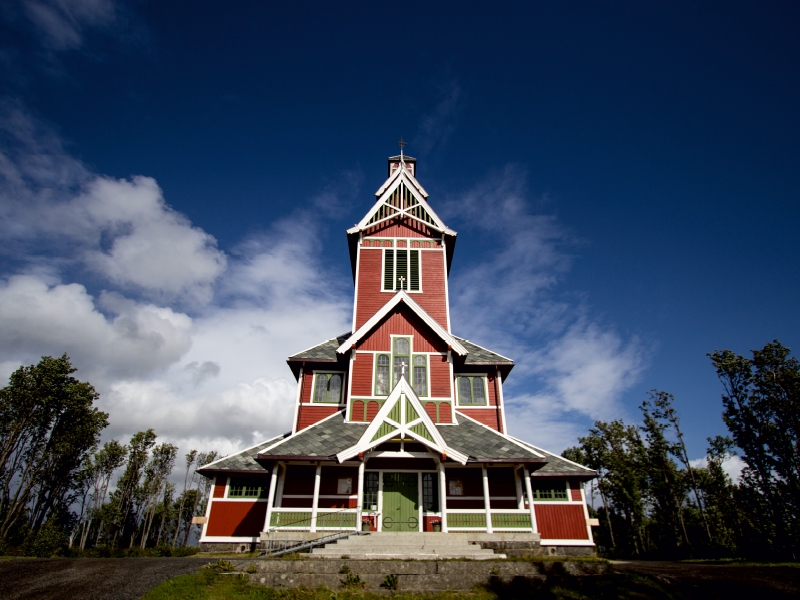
(420, 380)
(248, 487)
(549, 490)
(382, 375)
(401, 270)
(401, 359)
(471, 390)
(328, 387)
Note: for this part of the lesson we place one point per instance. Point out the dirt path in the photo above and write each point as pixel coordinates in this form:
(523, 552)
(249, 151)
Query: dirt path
(88, 578)
(720, 581)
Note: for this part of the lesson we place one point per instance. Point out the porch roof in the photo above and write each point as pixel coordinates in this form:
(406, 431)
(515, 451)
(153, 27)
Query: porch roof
(321, 441)
(242, 461)
(481, 443)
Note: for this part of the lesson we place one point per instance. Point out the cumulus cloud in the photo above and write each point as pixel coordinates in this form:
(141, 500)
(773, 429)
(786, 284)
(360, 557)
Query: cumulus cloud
(733, 466)
(571, 368)
(54, 209)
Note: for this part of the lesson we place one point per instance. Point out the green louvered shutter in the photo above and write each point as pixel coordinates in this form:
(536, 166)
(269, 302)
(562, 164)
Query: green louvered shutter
(414, 271)
(388, 269)
(402, 270)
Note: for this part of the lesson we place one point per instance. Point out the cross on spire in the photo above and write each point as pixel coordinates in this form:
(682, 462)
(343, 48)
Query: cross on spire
(401, 143)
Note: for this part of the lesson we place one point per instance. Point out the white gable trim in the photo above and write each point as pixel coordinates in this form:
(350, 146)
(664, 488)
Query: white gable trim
(396, 175)
(402, 296)
(402, 391)
(386, 191)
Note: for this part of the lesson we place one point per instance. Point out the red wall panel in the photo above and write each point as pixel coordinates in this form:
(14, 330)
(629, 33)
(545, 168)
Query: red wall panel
(444, 413)
(405, 228)
(576, 491)
(299, 480)
(440, 377)
(219, 486)
(236, 518)
(487, 416)
(370, 298)
(430, 408)
(561, 521)
(402, 321)
(362, 375)
(313, 413)
(372, 410)
(357, 413)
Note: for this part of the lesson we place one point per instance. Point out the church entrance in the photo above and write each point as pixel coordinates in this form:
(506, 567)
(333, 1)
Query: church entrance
(400, 502)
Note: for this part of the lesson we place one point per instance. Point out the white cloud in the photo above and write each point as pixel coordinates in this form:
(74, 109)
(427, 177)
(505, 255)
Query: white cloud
(38, 319)
(437, 126)
(569, 367)
(733, 466)
(63, 23)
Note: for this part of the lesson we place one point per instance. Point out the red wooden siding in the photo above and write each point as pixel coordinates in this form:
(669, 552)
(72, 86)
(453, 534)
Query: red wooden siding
(236, 519)
(440, 377)
(487, 416)
(313, 413)
(362, 375)
(407, 228)
(430, 408)
(576, 491)
(219, 486)
(444, 413)
(370, 299)
(492, 389)
(308, 385)
(561, 522)
(357, 412)
(402, 321)
(372, 410)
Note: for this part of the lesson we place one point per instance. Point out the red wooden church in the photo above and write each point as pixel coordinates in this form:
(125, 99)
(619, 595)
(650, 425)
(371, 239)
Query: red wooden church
(399, 424)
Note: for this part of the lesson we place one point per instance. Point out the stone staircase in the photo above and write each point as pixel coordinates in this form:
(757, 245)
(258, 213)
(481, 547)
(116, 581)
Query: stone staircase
(408, 546)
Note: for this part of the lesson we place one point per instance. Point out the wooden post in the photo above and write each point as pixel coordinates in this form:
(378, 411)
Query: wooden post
(529, 490)
(486, 501)
(443, 495)
(271, 497)
(518, 483)
(315, 501)
(360, 493)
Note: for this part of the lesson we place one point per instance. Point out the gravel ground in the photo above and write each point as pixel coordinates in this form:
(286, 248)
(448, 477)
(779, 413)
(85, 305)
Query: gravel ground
(698, 580)
(89, 578)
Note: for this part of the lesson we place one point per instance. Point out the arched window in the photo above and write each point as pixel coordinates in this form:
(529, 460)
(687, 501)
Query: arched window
(471, 390)
(401, 360)
(321, 389)
(382, 375)
(335, 388)
(420, 376)
(464, 391)
(478, 397)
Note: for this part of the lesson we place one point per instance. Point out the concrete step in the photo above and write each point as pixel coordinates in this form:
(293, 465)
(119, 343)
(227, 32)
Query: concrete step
(406, 545)
(414, 556)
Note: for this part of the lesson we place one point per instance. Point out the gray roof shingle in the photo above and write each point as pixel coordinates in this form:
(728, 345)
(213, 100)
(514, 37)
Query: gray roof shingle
(244, 460)
(482, 356)
(326, 351)
(481, 443)
(324, 439)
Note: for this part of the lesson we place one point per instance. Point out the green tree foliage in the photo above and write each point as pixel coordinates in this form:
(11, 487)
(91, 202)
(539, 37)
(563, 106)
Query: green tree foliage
(761, 407)
(48, 427)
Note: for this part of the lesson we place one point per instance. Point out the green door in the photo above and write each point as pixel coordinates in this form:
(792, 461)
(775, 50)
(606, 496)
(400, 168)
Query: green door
(400, 502)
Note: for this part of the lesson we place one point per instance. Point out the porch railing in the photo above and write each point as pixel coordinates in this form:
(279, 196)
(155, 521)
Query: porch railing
(473, 519)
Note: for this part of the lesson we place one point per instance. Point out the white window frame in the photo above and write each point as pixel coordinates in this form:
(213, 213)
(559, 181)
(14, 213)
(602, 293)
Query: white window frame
(394, 265)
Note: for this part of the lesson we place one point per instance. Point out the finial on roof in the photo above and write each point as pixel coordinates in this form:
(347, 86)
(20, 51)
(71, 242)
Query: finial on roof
(401, 143)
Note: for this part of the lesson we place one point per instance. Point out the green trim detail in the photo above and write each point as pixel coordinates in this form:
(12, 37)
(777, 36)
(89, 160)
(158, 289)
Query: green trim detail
(422, 431)
(511, 520)
(338, 519)
(471, 520)
(384, 429)
(394, 413)
(292, 520)
(411, 414)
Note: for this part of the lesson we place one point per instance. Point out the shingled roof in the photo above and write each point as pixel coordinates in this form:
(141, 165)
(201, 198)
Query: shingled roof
(241, 461)
(325, 439)
(324, 352)
(557, 465)
(481, 443)
(481, 356)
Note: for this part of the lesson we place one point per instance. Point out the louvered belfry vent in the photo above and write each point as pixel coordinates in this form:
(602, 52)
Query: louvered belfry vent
(401, 201)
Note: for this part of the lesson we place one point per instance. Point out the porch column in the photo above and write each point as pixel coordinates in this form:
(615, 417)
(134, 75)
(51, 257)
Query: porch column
(518, 483)
(529, 491)
(271, 497)
(360, 493)
(315, 501)
(486, 502)
(443, 496)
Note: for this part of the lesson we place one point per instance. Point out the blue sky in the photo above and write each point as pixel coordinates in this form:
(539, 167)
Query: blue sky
(176, 180)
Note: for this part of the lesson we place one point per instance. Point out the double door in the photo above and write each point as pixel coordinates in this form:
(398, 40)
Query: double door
(400, 502)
